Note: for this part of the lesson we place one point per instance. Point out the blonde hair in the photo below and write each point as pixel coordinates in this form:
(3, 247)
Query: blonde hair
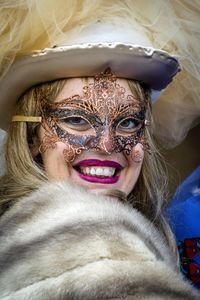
(26, 173)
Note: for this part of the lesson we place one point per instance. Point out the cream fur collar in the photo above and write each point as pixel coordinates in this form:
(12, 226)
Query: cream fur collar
(62, 242)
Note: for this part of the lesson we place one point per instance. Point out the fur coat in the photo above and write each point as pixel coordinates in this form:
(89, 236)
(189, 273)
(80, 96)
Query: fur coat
(62, 242)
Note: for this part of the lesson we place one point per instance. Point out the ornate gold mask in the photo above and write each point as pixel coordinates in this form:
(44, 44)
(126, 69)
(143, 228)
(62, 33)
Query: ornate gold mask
(103, 119)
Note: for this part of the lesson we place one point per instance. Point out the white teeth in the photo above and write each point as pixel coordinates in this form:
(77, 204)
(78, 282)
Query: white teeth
(92, 171)
(99, 172)
(108, 172)
(96, 171)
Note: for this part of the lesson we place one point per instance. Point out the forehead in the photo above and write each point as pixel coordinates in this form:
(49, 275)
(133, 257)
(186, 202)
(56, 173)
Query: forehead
(74, 86)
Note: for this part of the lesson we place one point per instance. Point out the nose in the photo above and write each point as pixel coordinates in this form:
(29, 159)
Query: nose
(106, 143)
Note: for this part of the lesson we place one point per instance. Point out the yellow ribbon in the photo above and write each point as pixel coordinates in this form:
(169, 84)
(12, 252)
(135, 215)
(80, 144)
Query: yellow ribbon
(26, 119)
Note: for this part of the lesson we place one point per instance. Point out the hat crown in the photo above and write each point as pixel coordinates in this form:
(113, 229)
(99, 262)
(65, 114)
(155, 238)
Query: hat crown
(104, 32)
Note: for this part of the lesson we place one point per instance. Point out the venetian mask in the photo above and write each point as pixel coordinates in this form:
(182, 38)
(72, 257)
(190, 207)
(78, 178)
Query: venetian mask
(103, 118)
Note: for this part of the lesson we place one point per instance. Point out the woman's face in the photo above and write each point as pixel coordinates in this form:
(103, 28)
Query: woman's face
(91, 135)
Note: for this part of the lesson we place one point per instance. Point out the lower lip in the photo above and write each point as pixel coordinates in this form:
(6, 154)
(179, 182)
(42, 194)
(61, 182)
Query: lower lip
(109, 180)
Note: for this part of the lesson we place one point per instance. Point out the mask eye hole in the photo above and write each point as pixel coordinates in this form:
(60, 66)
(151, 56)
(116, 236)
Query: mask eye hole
(75, 123)
(128, 125)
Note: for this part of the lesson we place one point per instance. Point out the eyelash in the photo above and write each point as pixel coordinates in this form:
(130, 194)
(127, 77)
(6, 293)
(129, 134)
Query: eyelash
(72, 123)
(136, 124)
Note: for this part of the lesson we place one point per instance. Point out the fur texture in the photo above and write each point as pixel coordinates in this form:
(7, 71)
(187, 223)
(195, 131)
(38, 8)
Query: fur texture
(64, 243)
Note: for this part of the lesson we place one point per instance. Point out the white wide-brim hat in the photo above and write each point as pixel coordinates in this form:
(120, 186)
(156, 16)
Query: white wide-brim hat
(124, 49)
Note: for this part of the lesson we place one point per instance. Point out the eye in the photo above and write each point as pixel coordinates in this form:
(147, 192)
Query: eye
(77, 123)
(129, 125)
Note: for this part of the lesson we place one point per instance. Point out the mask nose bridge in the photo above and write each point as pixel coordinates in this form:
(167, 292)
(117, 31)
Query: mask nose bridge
(107, 139)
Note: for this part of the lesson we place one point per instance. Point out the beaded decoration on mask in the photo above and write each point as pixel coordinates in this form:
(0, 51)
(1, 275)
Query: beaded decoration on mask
(104, 119)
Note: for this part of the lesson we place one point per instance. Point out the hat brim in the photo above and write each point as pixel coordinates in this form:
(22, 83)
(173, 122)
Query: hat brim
(154, 67)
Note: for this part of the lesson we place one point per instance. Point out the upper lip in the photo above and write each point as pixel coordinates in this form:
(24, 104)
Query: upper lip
(97, 162)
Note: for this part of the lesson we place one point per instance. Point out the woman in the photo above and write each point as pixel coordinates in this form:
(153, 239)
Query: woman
(89, 132)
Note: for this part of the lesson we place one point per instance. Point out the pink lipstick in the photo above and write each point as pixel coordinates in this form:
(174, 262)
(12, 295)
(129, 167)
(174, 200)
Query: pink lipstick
(95, 179)
(98, 163)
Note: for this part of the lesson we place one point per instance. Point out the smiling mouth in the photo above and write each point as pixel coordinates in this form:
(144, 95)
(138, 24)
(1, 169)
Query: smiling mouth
(96, 171)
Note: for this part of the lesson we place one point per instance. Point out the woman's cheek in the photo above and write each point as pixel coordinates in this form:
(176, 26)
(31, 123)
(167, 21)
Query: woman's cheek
(137, 154)
(54, 162)
(135, 160)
